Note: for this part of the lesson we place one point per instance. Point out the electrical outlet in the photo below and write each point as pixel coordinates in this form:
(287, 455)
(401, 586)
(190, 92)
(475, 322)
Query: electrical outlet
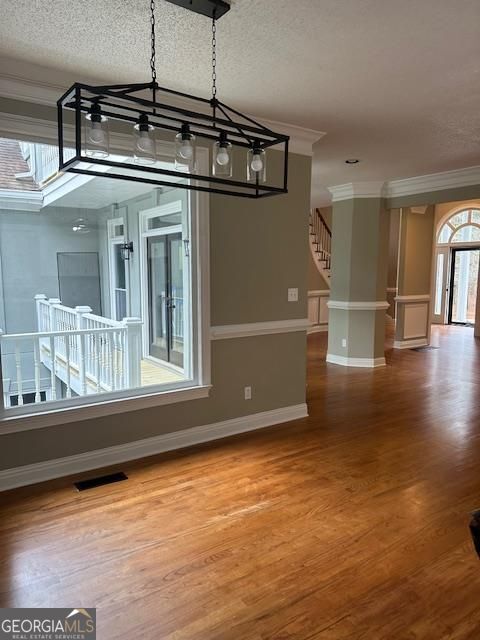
(344, 342)
(248, 393)
(293, 295)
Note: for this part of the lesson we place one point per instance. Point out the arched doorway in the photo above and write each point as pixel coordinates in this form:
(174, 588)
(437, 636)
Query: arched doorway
(457, 260)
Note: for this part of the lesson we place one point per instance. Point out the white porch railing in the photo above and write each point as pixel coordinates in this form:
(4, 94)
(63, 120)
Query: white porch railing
(88, 353)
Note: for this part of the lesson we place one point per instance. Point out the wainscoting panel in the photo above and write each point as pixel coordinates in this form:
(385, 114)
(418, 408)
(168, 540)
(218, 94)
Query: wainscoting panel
(318, 310)
(412, 321)
(416, 320)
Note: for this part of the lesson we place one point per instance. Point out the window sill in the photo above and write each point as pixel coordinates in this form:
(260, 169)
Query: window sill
(63, 415)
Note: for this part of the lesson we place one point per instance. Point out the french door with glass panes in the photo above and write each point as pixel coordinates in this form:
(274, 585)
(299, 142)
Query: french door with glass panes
(463, 285)
(166, 297)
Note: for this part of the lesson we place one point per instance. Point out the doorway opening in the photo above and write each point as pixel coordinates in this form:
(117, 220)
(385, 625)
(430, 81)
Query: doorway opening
(456, 267)
(463, 286)
(165, 288)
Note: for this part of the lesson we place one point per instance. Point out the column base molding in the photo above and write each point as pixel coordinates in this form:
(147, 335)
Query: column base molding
(345, 361)
(410, 344)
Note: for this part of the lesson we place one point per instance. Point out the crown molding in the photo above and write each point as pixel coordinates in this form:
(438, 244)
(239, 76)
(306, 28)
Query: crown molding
(433, 182)
(301, 139)
(27, 90)
(357, 190)
(469, 176)
(13, 200)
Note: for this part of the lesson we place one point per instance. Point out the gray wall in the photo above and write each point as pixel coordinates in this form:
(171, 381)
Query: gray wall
(29, 243)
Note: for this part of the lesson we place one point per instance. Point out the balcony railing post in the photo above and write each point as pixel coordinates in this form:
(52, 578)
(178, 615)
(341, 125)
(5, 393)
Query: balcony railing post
(81, 348)
(133, 352)
(39, 299)
(51, 303)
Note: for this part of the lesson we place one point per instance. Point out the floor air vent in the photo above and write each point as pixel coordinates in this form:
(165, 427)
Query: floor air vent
(426, 348)
(91, 483)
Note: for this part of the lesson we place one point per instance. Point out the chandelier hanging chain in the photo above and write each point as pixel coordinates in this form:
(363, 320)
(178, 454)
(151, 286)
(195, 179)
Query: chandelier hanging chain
(153, 55)
(214, 65)
(214, 58)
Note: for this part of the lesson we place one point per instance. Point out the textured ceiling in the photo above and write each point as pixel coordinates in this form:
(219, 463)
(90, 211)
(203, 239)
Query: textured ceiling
(394, 83)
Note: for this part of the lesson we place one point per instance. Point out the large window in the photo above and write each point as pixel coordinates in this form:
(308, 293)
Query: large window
(103, 287)
(461, 227)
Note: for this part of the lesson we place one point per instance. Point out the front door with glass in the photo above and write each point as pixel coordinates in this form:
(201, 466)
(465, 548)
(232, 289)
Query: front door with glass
(463, 286)
(166, 297)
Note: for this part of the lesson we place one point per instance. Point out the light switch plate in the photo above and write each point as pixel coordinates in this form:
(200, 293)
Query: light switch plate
(293, 295)
(248, 393)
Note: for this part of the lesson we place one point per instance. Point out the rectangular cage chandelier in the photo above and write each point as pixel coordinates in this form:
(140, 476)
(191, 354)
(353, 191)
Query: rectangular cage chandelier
(181, 125)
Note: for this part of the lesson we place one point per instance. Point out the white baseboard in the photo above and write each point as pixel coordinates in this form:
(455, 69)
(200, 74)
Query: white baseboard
(356, 362)
(317, 328)
(41, 471)
(410, 344)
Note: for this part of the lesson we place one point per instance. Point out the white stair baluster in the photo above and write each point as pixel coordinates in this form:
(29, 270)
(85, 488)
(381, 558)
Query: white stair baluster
(18, 366)
(53, 359)
(67, 357)
(81, 364)
(97, 341)
(111, 357)
(36, 364)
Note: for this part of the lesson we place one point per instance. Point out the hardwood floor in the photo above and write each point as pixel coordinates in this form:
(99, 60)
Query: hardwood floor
(350, 524)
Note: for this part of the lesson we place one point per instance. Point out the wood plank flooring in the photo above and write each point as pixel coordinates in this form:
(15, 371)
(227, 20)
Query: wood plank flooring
(349, 524)
(153, 373)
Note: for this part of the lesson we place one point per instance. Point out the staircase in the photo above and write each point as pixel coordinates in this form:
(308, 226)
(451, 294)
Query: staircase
(320, 243)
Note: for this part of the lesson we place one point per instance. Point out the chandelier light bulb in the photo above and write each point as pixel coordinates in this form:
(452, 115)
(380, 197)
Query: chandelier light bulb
(145, 142)
(257, 163)
(222, 160)
(97, 134)
(222, 157)
(186, 150)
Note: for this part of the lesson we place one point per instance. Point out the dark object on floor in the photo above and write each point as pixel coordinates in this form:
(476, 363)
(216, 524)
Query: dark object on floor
(426, 348)
(91, 483)
(475, 530)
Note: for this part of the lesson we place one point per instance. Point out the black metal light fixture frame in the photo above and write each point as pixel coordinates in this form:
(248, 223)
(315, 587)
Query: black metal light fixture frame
(122, 103)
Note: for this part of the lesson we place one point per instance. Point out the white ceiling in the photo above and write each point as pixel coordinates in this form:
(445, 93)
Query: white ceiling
(394, 83)
(96, 193)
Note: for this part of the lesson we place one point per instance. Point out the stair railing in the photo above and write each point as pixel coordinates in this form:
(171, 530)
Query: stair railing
(322, 237)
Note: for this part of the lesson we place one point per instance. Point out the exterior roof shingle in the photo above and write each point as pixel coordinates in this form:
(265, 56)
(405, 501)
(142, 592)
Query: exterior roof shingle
(11, 163)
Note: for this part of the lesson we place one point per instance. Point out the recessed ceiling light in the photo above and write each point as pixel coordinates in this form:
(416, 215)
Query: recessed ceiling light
(352, 161)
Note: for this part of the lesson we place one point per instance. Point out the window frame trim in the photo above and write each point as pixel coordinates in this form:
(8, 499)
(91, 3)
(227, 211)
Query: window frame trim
(112, 403)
